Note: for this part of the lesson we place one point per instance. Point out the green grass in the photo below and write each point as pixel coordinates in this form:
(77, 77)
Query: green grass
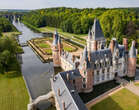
(76, 37)
(44, 45)
(122, 100)
(13, 93)
(48, 51)
(137, 84)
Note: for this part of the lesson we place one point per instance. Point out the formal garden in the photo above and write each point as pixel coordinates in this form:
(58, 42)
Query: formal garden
(121, 100)
(44, 46)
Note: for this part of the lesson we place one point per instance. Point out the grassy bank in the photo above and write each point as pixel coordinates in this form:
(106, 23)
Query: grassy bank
(76, 37)
(31, 27)
(13, 93)
(122, 100)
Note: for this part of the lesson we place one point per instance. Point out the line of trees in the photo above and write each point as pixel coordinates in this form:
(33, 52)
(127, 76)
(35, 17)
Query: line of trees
(8, 48)
(115, 22)
(6, 26)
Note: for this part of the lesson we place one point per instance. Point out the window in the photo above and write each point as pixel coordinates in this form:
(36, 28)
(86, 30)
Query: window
(84, 72)
(84, 85)
(97, 76)
(73, 81)
(108, 70)
(84, 80)
(108, 76)
(103, 76)
(103, 70)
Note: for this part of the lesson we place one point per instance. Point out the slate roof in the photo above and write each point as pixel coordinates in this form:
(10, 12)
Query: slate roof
(56, 38)
(68, 57)
(97, 33)
(85, 59)
(132, 51)
(68, 94)
(101, 55)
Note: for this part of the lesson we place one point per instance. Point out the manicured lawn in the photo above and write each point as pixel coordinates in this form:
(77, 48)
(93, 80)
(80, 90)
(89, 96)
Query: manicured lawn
(137, 84)
(76, 37)
(122, 100)
(13, 93)
(44, 45)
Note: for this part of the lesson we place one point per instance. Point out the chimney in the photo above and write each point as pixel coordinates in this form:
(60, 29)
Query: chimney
(112, 45)
(58, 92)
(73, 58)
(94, 46)
(64, 108)
(68, 77)
(125, 43)
(89, 56)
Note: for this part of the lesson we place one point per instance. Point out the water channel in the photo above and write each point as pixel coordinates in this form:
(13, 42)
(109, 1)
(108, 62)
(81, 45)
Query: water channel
(36, 74)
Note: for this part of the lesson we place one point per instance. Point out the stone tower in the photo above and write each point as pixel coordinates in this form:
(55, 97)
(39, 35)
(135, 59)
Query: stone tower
(95, 40)
(56, 49)
(132, 61)
(86, 72)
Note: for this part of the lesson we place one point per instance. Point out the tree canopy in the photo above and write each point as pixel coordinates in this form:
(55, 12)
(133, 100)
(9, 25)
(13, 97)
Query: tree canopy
(117, 23)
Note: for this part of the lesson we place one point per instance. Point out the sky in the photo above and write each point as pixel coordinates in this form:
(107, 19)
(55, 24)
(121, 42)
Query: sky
(37, 4)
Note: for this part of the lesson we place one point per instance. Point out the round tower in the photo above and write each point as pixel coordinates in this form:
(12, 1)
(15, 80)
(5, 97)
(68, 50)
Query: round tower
(86, 72)
(132, 61)
(56, 50)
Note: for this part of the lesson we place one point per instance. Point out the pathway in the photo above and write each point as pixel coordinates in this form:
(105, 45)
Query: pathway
(134, 89)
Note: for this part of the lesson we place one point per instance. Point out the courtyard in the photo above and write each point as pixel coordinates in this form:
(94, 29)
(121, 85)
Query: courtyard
(122, 100)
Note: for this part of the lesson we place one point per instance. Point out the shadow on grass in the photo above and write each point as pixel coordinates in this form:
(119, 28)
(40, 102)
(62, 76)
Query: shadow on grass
(106, 104)
(98, 90)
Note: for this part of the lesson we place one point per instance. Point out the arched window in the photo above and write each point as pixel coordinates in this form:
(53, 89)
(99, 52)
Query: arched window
(97, 76)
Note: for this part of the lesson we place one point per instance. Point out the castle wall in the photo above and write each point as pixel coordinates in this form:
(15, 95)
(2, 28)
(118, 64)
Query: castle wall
(65, 65)
(56, 57)
(131, 67)
(103, 75)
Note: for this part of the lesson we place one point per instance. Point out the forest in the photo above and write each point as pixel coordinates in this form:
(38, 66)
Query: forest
(117, 22)
(6, 26)
(8, 48)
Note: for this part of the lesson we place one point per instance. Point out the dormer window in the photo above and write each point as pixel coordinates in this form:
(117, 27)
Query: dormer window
(84, 72)
(84, 85)
(84, 80)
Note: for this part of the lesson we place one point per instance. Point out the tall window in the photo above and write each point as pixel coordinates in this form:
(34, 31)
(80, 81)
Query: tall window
(84, 85)
(103, 74)
(108, 75)
(84, 80)
(97, 76)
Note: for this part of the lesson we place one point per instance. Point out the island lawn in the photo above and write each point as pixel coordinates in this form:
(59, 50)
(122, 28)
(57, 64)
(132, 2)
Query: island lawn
(13, 93)
(122, 100)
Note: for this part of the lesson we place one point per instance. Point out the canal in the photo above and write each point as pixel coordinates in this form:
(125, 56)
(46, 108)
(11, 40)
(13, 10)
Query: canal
(36, 74)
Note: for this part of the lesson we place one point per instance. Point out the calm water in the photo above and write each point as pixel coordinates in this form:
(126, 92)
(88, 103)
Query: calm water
(37, 74)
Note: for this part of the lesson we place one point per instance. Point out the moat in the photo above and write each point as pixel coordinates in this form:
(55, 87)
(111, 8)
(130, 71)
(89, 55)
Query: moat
(35, 73)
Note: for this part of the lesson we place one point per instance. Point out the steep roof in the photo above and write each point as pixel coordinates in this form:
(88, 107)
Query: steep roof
(56, 38)
(132, 51)
(97, 33)
(68, 94)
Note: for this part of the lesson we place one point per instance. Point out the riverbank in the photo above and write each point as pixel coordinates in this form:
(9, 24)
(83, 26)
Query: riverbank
(31, 27)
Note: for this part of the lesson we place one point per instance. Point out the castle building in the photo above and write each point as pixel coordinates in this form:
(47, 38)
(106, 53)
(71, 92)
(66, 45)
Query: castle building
(97, 64)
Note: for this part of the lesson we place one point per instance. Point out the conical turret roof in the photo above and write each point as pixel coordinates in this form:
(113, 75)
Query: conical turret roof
(56, 38)
(132, 51)
(97, 33)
